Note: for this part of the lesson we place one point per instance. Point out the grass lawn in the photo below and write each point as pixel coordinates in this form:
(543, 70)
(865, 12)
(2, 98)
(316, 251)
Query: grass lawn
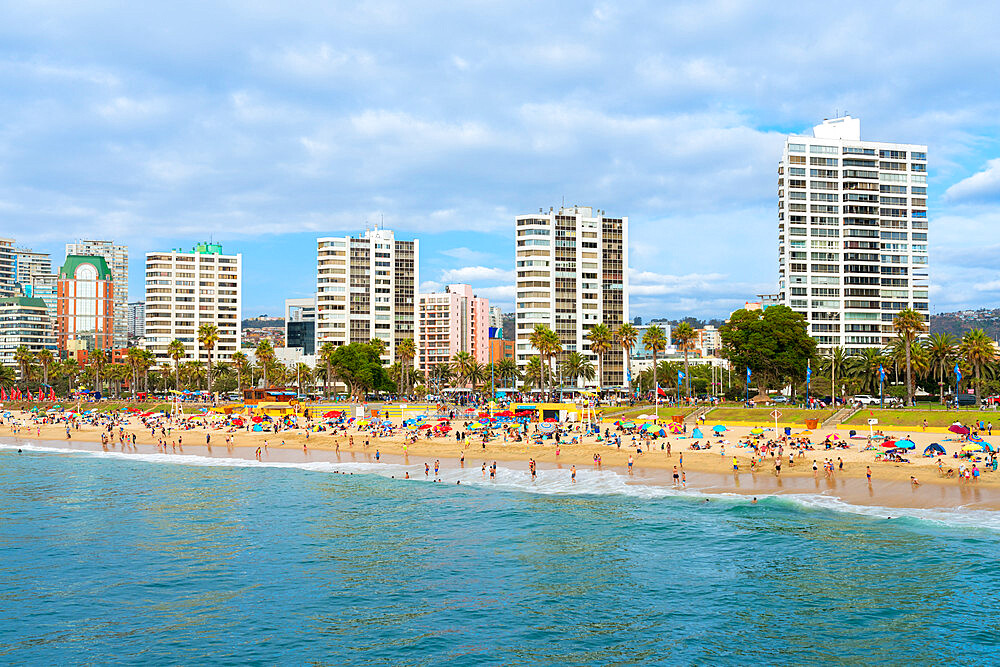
(916, 417)
(763, 415)
(103, 406)
(631, 413)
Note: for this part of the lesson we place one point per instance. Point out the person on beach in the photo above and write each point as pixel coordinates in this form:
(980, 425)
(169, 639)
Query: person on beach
(868, 474)
(913, 481)
(427, 469)
(777, 467)
(684, 481)
(676, 476)
(378, 456)
(484, 469)
(815, 469)
(630, 464)
(736, 465)
(572, 475)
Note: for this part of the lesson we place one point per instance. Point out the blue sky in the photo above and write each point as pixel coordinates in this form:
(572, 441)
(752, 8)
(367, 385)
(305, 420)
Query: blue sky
(265, 125)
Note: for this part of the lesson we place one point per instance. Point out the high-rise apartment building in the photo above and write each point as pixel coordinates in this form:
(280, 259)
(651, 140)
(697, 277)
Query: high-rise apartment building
(7, 270)
(300, 324)
(188, 288)
(366, 287)
(852, 233)
(24, 321)
(572, 273)
(85, 306)
(496, 317)
(450, 322)
(29, 265)
(136, 319)
(117, 259)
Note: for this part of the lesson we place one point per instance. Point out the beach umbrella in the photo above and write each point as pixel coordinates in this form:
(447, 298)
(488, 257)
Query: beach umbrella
(718, 428)
(473, 427)
(442, 419)
(757, 430)
(889, 444)
(974, 447)
(423, 426)
(644, 427)
(676, 428)
(696, 433)
(959, 429)
(905, 444)
(546, 427)
(625, 425)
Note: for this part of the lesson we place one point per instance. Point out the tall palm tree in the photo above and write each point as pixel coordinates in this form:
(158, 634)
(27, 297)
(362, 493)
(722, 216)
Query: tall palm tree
(379, 345)
(863, 366)
(326, 352)
(943, 350)
(133, 357)
(70, 368)
(684, 335)
(539, 339)
(834, 361)
(627, 335)
(176, 351)
(8, 378)
(908, 324)
(23, 357)
(265, 356)
(462, 365)
(655, 341)
(147, 361)
(507, 371)
(534, 373)
(45, 360)
(98, 359)
(406, 350)
(978, 351)
(239, 362)
(553, 346)
(600, 338)
(576, 366)
(208, 336)
(303, 374)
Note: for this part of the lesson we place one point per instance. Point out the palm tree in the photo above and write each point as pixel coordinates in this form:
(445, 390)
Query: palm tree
(70, 368)
(943, 350)
(379, 345)
(133, 356)
(863, 367)
(537, 338)
(655, 341)
(45, 360)
(23, 356)
(194, 371)
(575, 366)
(833, 361)
(98, 359)
(146, 361)
(908, 324)
(600, 342)
(239, 362)
(534, 373)
(302, 374)
(208, 336)
(507, 371)
(326, 352)
(406, 350)
(627, 335)
(684, 335)
(462, 365)
(176, 351)
(478, 373)
(553, 346)
(978, 351)
(265, 355)
(8, 378)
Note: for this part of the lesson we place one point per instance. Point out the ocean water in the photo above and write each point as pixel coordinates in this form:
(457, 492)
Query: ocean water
(112, 558)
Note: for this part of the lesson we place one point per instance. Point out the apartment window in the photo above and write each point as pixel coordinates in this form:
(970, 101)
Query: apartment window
(796, 148)
(832, 150)
(824, 161)
(918, 156)
(796, 159)
(797, 171)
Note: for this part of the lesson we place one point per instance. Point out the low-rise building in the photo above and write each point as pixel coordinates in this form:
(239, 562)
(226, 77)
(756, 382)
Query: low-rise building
(24, 321)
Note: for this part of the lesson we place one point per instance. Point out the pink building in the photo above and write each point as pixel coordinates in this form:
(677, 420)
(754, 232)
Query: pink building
(450, 322)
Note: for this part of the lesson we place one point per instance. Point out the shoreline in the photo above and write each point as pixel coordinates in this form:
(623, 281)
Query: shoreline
(853, 490)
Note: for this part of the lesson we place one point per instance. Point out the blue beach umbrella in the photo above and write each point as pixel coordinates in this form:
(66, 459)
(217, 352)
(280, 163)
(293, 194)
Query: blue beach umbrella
(905, 444)
(718, 428)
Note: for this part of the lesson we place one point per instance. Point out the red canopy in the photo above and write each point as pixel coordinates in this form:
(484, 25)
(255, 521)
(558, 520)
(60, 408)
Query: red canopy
(550, 419)
(333, 413)
(423, 426)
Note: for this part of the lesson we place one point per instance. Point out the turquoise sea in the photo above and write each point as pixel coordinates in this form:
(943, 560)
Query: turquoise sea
(155, 559)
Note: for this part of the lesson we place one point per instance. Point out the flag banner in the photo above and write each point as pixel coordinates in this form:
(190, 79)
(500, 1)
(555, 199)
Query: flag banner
(958, 374)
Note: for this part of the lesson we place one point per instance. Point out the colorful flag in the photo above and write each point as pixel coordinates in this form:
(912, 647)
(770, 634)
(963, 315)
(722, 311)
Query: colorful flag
(958, 374)
(3, 395)
(748, 375)
(881, 373)
(52, 394)
(659, 391)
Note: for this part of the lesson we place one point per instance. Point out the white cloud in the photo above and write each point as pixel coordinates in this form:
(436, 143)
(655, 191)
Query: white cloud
(474, 274)
(467, 254)
(981, 186)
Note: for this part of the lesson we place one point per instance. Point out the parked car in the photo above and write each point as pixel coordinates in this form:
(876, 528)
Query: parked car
(779, 399)
(866, 399)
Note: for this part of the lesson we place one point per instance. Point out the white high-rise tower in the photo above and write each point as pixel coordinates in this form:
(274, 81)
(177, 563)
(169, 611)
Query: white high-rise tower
(852, 233)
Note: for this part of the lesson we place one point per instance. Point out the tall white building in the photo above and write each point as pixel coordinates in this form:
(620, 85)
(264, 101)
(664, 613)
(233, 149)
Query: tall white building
(852, 233)
(136, 319)
(7, 270)
(29, 265)
(366, 287)
(117, 258)
(496, 317)
(186, 289)
(572, 273)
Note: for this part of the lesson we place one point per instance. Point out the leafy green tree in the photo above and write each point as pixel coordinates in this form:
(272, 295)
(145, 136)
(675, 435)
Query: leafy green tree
(406, 350)
(773, 343)
(978, 352)
(265, 359)
(208, 337)
(8, 377)
(943, 350)
(239, 362)
(534, 373)
(576, 366)
(507, 372)
(359, 366)
(24, 358)
(45, 360)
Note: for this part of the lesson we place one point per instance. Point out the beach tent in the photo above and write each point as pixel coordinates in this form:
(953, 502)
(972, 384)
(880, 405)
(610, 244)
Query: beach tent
(662, 433)
(934, 449)
(696, 433)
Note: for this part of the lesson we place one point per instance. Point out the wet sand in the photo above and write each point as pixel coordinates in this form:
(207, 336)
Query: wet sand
(705, 471)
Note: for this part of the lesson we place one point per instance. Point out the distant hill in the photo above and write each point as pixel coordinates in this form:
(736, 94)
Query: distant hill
(263, 322)
(960, 322)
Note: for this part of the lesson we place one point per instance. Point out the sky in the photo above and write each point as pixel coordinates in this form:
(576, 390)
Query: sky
(264, 125)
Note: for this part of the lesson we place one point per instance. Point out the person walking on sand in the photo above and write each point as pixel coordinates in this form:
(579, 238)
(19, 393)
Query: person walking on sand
(736, 465)
(815, 469)
(676, 476)
(868, 474)
(630, 462)
(572, 475)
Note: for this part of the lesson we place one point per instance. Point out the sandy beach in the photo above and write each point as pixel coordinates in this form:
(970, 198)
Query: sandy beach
(708, 471)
